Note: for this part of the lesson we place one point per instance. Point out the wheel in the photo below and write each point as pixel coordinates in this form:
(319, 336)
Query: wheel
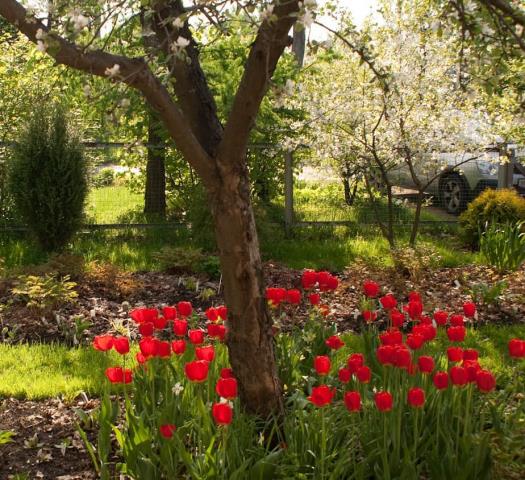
(453, 194)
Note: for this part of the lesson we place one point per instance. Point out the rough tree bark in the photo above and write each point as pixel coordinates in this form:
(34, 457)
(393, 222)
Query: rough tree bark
(219, 158)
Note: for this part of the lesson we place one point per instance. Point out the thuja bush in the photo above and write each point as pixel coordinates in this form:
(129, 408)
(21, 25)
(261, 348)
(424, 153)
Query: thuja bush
(412, 403)
(47, 178)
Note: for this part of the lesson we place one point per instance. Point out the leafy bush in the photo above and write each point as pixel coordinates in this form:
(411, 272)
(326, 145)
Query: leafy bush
(187, 260)
(405, 406)
(104, 178)
(414, 262)
(46, 292)
(503, 246)
(491, 207)
(47, 178)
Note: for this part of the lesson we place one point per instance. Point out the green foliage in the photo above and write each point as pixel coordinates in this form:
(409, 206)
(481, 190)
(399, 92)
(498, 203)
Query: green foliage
(415, 261)
(6, 437)
(503, 246)
(187, 260)
(104, 178)
(491, 207)
(489, 294)
(48, 178)
(44, 292)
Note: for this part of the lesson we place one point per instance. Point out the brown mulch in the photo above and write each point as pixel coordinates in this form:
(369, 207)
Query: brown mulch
(106, 305)
(46, 444)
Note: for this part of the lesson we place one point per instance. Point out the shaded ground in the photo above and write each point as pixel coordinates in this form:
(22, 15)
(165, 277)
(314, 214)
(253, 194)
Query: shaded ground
(46, 444)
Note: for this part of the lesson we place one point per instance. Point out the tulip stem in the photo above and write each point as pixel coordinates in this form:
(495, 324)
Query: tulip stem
(323, 442)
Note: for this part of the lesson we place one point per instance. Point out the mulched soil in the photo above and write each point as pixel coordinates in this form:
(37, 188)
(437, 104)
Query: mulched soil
(106, 303)
(46, 444)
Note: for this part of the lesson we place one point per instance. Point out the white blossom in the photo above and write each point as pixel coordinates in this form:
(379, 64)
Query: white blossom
(41, 46)
(177, 389)
(79, 21)
(180, 44)
(113, 72)
(178, 23)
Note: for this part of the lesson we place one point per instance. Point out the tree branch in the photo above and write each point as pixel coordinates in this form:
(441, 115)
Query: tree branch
(132, 71)
(272, 38)
(506, 9)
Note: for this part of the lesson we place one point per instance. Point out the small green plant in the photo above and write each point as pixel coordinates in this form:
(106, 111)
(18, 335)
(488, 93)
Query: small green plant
(6, 437)
(44, 292)
(488, 294)
(503, 246)
(415, 261)
(73, 332)
(47, 178)
(104, 178)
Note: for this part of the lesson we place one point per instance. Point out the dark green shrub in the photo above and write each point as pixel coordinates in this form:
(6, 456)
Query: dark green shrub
(47, 178)
(104, 178)
(491, 207)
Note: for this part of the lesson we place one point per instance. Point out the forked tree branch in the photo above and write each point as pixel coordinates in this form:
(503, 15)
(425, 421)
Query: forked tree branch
(132, 71)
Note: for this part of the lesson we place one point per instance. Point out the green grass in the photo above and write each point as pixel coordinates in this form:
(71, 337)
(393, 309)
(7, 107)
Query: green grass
(45, 371)
(112, 204)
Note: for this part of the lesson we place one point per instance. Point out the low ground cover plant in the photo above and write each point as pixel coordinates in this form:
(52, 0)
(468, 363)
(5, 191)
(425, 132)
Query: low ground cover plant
(407, 399)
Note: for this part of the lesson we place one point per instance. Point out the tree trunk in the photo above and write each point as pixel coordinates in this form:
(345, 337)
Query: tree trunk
(250, 337)
(155, 193)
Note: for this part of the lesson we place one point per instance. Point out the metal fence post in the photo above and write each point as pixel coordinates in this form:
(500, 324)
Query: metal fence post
(288, 193)
(506, 170)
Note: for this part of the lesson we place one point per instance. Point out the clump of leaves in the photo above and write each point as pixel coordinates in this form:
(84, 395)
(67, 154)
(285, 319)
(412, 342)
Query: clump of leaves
(6, 437)
(488, 294)
(73, 331)
(413, 262)
(112, 279)
(503, 246)
(180, 260)
(44, 292)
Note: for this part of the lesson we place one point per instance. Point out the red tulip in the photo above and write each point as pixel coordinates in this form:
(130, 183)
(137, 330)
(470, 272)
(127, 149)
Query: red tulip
(275, 295)
(103, 343)
(226, 388)
(205, 353)
(369, 316)
(163, 349)
(427, 331)
(119, 375)
(401, 356)
(146, 329)
(517, 348)
(167, 430)
(121, 345)
(293, 296)
(456, 334)
(455, 354)
(217, 330)
(472, 367)
(178, 346)
(388, 302)
(397, 318)
(324, 310)
(141, 315)
(371, 289)
(197, 371)
(425, 320)
(169, 313)
(160, 323)
(416, 397)
(364, 374)
(352, 401)
(322, 365)
(308, 279)
(383, 401)
(344, 375)
(441, 317)
(469, 309)
(226, 373)
(385, 354)
(321, 395)
(323, 278)
(391, 337)
(425, 364)
(470, 354)
(223, 312)
(485, 381)
(180, 327)
(459, 376)
(140, 358)
(415, 341)
(128, 376)
(196, 336)
(333, 283)
(414, 297)
(149, 346)
(212, 314)
(457, 320)
(355, 360)
(222, 413)
(314, 298)
(414, 309)
(441, 380)
(334, 342)
(184, 308)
